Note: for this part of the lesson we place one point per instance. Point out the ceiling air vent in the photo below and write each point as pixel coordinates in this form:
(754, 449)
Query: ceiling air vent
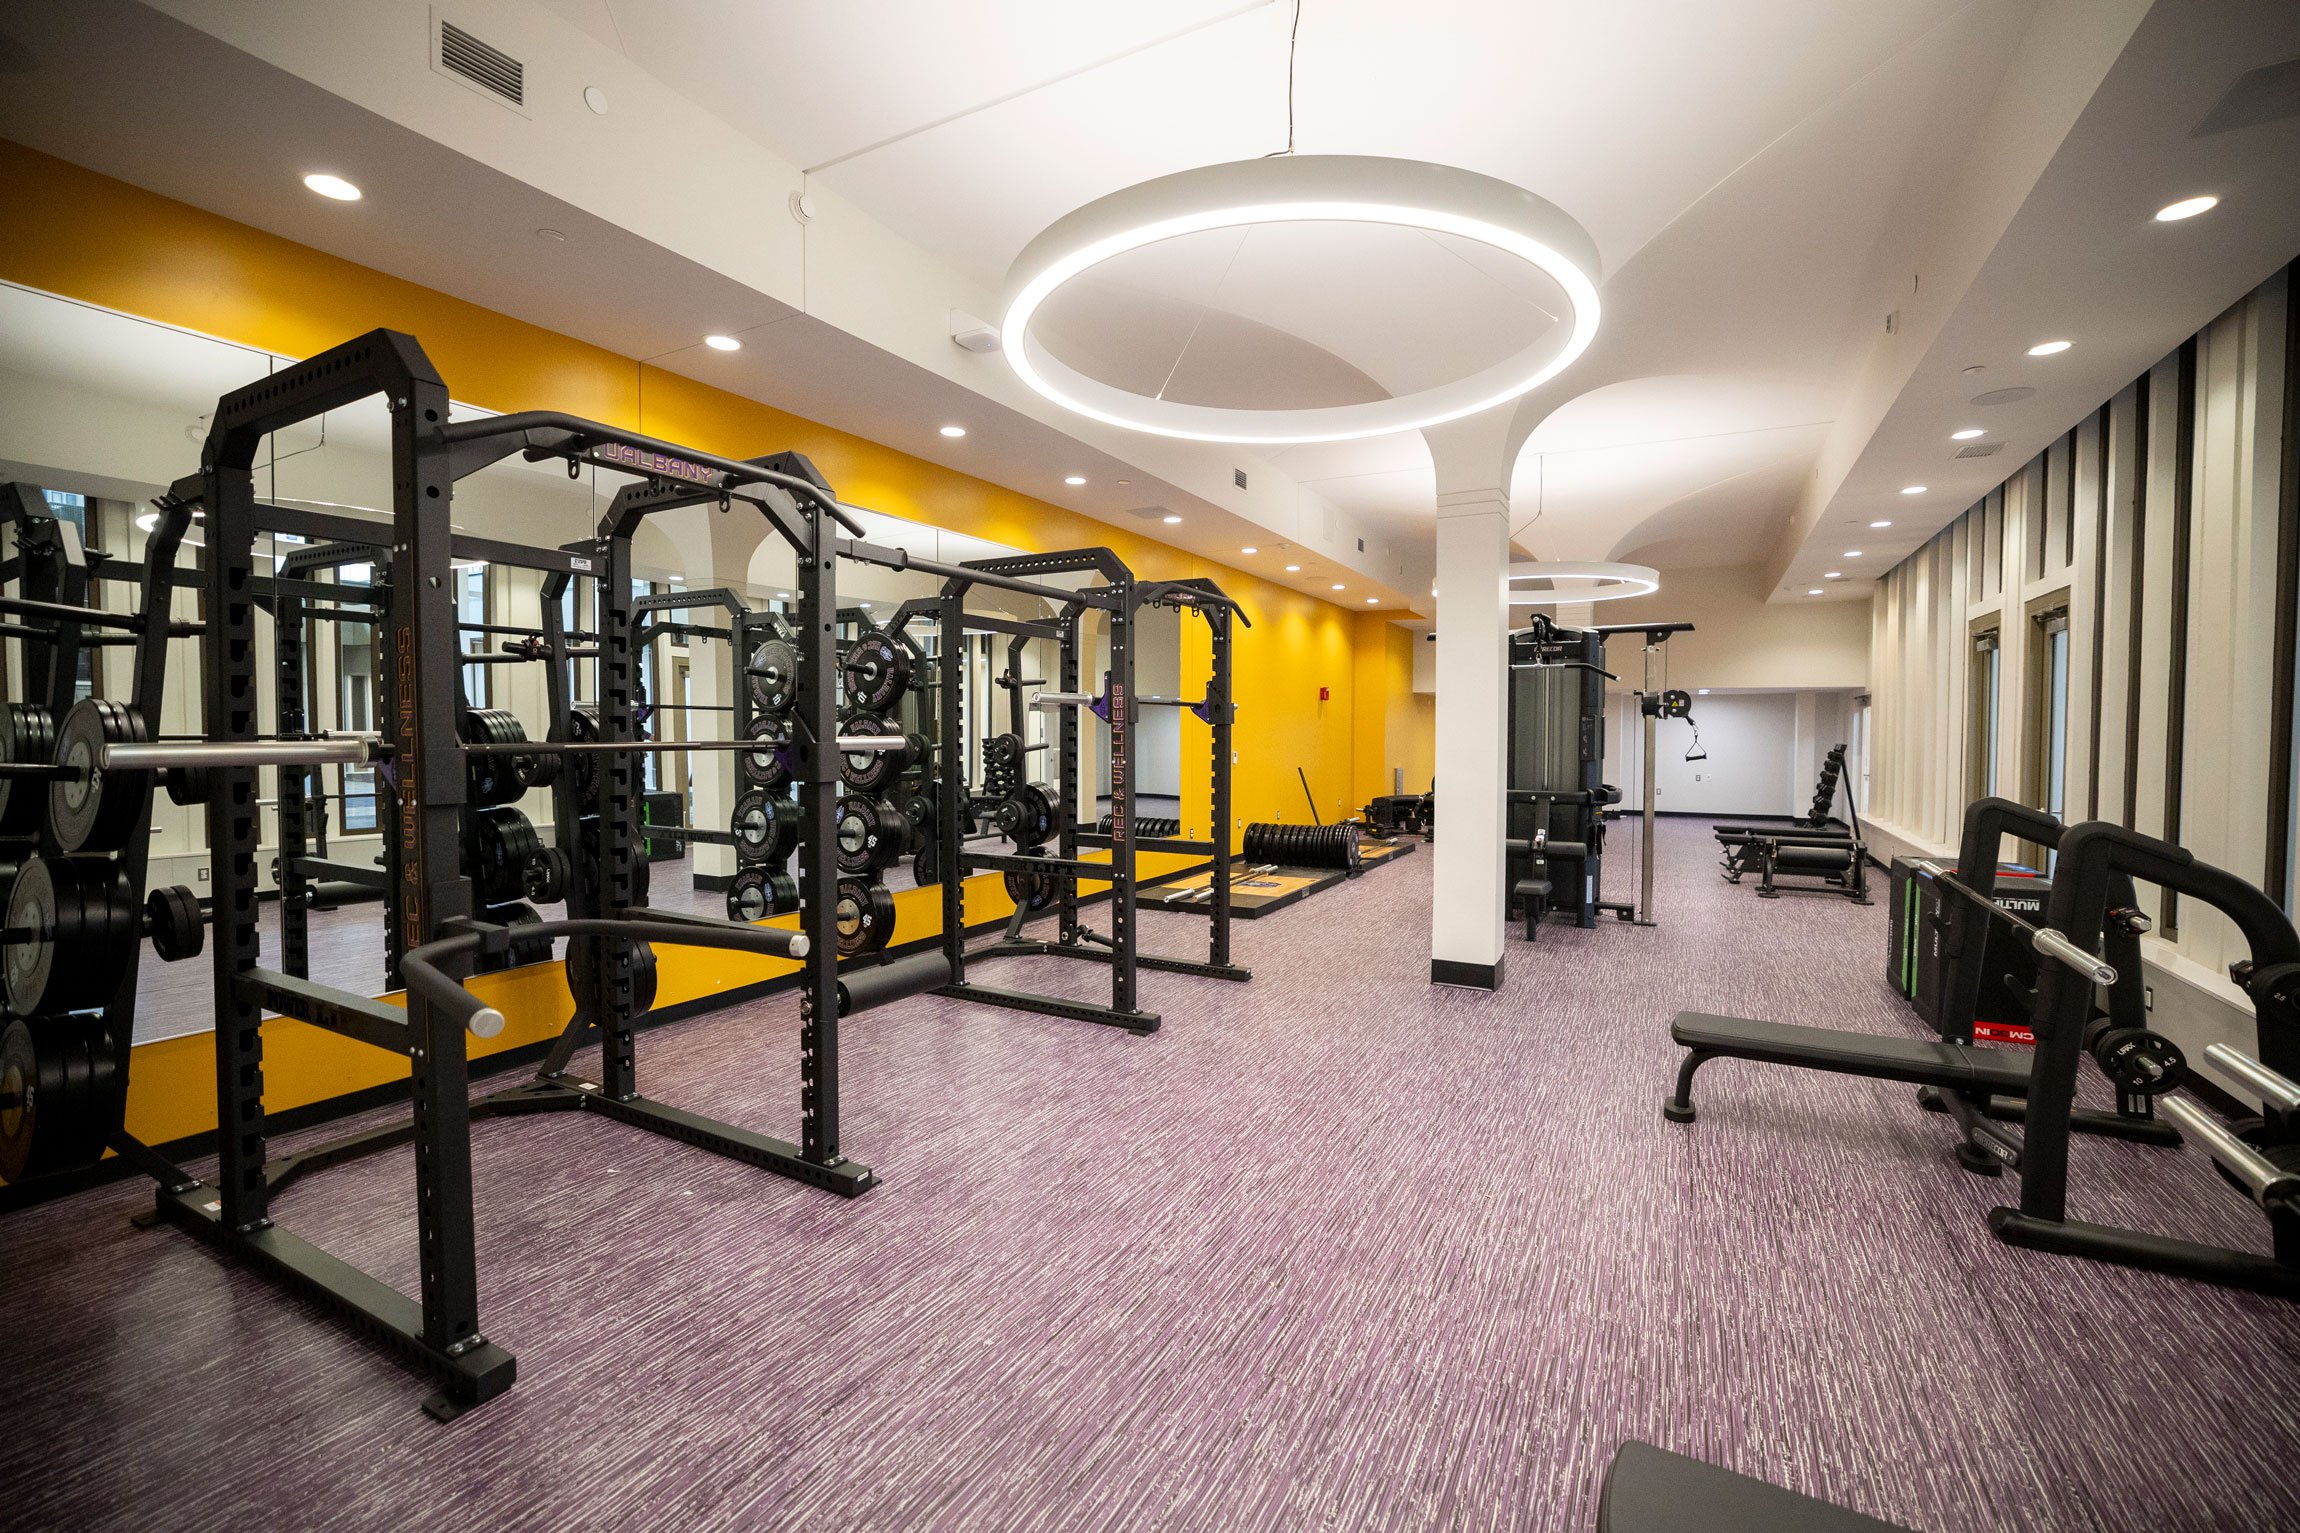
(1981, 450)
(480, 65)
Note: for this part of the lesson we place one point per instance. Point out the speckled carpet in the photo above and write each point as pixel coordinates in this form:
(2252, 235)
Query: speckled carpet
(1333, 1250)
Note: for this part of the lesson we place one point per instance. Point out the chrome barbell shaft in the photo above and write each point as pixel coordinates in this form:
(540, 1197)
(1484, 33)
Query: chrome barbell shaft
(1053, 700)
(143, 757)
(2043, 940)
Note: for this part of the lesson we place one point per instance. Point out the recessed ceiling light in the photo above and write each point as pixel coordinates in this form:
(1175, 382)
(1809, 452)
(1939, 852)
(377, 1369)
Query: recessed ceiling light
(782, 596)
(1249, 550)
(1373, 601)
(1074, 479)
(1880, 524)
(334, 187)
(1913, 489)
(1814, 592)
(1293, 569)
(1337, 586)
(1852, 553)
(1968, 433)
(1125, 481)
(722, 343)
(1704, 691)
(2186, 207)
(553, 235)
(1172, 520)
(2049, 348)
(1834, 575)
(954, 431)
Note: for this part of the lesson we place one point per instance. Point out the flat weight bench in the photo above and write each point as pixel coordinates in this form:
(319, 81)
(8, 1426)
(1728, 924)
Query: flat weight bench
(1651, 1490)
(1949, 1067)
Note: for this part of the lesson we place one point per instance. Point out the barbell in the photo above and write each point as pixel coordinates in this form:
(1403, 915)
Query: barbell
(2045, 941)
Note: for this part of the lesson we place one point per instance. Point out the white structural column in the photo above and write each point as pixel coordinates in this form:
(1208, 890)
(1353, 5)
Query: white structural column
(1466, 918)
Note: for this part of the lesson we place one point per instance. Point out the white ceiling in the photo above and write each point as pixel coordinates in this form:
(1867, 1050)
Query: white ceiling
(1765, 182)
(1746, 183)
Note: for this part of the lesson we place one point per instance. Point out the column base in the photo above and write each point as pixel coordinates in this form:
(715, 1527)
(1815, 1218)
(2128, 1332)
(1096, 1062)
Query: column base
(1467, 976)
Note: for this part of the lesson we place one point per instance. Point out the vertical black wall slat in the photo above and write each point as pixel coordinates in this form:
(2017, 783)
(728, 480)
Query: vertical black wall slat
(2099, 602)
(2176, 685)
(2139, 593)
(2279, 869)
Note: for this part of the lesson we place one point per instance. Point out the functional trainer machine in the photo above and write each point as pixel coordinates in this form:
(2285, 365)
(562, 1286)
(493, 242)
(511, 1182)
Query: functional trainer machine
(1557, 800)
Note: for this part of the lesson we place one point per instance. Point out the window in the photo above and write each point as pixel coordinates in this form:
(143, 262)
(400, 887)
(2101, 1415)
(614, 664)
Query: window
(356, 701)
(471, 607)
(1981, 733)
(2047, 742)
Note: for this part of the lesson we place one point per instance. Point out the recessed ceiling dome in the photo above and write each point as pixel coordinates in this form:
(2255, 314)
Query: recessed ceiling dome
(1301, 298)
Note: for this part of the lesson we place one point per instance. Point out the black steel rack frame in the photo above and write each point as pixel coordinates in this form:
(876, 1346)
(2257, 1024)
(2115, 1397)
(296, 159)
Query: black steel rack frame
(422, 797)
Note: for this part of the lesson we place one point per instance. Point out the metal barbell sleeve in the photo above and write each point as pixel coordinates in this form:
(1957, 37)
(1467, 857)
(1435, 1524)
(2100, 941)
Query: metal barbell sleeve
(2273, 1088)
(2265, 1180)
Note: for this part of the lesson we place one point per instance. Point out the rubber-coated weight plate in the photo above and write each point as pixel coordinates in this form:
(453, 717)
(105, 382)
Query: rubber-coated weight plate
(864, 916)
(27, 736)
(82, 924)
(774, 676)
(867, 771)
(176, 928)
(877, 671)
(59, 1096)
(769, 766)
(96, 809)
(636, 960)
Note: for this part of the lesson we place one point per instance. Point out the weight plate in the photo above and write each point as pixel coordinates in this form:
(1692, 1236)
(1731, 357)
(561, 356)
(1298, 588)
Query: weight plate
(501, 846)
(636, 960)
(81, 924)
(587, 869)
(27, 736)
(1034, 821)
(865, 916)
(867, 771)
(774, 676)
(770, 766)
(926, 867)
(544, 880)
(172, 916)
(756, 894)
(869, 835)
(520, 952)
(59, 1096)
(877, 671)
(492, 778)
(766, 830)
(94, 810)
(583, 767)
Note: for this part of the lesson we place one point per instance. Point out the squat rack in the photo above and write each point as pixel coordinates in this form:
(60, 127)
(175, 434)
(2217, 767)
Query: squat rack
(1119, 706)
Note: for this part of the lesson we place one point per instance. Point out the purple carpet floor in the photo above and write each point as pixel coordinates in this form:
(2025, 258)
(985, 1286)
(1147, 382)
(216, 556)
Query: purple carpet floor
(1332, 1250)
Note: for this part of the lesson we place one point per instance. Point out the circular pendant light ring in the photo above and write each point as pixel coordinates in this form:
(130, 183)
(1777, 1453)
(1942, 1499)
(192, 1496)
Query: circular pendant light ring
(1583, 581)
(1412, 194)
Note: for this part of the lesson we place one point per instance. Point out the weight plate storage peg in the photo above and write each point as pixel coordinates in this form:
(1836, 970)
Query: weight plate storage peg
(877, 672)
(28, 738)
(865, 916)
(77, 926)
(59, 1095)
(94, 808)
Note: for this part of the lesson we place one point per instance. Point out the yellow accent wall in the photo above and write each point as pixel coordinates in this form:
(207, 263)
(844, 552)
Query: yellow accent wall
(105, 242)
(1394, 727)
